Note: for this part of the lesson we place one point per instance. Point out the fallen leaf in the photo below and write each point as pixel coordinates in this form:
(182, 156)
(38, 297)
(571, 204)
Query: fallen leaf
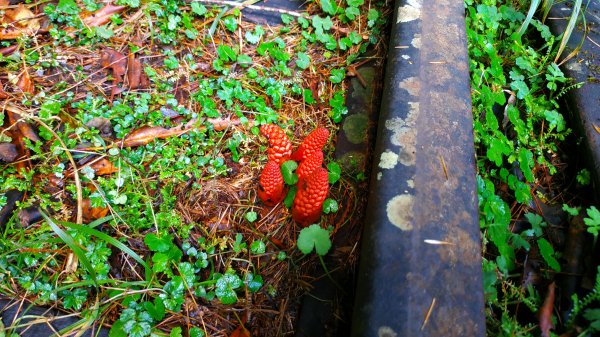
(147, 134)
(24, 83)
(17, 22)
(26, 130)
(3, 93)
(8, 50)
(92, 213)
(103, 167)
(241, 331)
(8, 152)
(596, 128)
(545, 312)
(115, 61)
(102, 16)
(134, 71)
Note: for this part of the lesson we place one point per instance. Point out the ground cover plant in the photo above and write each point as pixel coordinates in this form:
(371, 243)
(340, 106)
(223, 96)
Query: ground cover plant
(131, 156)
(536, 214)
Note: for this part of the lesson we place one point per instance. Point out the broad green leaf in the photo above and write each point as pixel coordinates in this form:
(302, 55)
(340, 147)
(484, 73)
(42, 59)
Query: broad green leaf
(314, 237)
(303, 60)
(330, 206)
(287, 170)
(334, 171)
(548, 254)
(329, 6)
(225, 288)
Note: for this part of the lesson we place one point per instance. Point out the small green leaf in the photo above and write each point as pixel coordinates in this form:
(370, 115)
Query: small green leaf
(196, 332)
(334, 171)
(289, 198)
(104, 32)
(314, 237)
(352, 12)
(258, 247)
(254, 37)
(244, 60)
(254, 282)
(330, 206)
(355, 3)
(329, 6)
(337, 75)
(593, 222)
(158, 244)
(225, 288)
(226, 53)
(176, 332)
(230, 23)
(198, 8)
(251, 216)
(286, 19)
(156, 309)
(573, 211)
(548, 254)
(303, 60)
(287, 170)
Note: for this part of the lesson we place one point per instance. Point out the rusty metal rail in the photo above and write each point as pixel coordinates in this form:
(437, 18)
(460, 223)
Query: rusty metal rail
(420, 271)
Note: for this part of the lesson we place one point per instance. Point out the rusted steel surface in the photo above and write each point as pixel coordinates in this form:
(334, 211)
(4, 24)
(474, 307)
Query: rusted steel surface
(583, 104)
(420, 272)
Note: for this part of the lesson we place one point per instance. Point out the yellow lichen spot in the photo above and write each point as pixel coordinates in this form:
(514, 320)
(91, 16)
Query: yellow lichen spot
(410, 12)
(388, 160)
(400, 211)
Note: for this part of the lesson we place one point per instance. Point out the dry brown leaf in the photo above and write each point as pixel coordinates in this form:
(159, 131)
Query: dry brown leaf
(8, 152)
(134, 71)
(115, 61)
(241, 331)
(8, 50)
(3, 93)
(103, 167)
(18, 21)
(147, 134)
(25, 129)
(545, 313)
(92, 213)
(102, 16)
(25, 83)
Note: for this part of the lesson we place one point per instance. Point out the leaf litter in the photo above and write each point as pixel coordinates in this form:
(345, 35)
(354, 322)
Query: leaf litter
(162, 122)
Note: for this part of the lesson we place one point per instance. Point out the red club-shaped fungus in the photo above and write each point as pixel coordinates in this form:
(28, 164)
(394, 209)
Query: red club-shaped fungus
(280, 147)
(312, 143)
(309, 165)
(312, 192)
(271, 188)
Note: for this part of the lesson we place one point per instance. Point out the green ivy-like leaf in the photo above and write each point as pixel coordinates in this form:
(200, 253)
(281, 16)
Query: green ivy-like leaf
(287, 170)
(314, 237)
(225, 288)
(303, 60)
(330, 206)
(254, 282)
(334, 172)
(329, 6)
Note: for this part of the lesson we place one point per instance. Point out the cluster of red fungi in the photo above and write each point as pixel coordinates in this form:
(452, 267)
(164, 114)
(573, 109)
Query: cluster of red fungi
(313, 179)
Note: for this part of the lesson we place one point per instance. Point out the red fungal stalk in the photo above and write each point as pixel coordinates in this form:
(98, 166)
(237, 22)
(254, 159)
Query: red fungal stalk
(312, 191)
(312, 143)
(309, 165)
(271, 188)
(280, 147)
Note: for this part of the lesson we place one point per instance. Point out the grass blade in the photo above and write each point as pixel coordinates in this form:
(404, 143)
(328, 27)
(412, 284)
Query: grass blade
(108, 239)
(567, 33)
(68, 239)
(546, 6)
(532, 9)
